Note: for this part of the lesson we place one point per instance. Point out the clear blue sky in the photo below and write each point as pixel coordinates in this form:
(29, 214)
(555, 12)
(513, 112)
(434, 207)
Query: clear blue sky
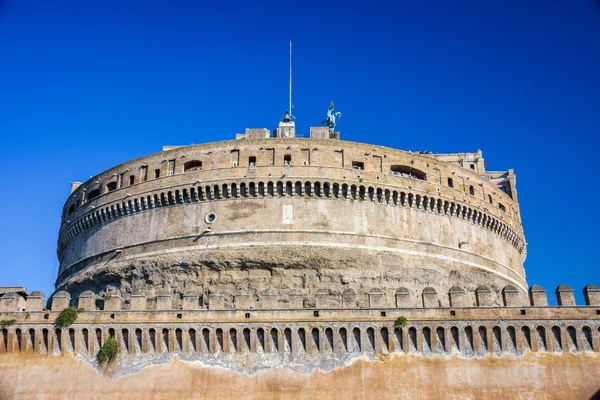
(85, 85)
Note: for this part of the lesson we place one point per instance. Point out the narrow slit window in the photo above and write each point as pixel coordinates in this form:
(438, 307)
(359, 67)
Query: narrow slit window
(171, 167)
(143, 173)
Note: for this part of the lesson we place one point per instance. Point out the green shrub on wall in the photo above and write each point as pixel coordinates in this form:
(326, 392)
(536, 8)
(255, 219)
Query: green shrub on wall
(109, 351)
(7, 322)
(67, 317)
(400, 322)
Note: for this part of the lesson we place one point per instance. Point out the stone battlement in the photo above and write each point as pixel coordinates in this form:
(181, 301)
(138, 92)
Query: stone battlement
(325, 338)
(428, 298)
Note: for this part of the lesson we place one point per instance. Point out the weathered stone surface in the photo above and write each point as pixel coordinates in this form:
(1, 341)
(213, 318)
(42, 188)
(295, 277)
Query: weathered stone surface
(277, 204)
(565, 295)
(537, 377)
(537, 296)
(11, 302)
(60, 300)
(591, 294)
(35, 301)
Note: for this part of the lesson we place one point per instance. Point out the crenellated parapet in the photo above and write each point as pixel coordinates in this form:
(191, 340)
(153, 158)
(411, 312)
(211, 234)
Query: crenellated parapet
(282, 329)
(308, 335)
(269, 299)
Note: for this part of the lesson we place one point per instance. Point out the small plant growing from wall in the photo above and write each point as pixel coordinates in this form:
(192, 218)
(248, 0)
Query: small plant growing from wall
(67, 317)
(7, 322)
(108, 352)
(400, 322)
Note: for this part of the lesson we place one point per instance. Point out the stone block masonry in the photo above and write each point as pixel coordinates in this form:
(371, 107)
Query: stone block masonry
(276, 205)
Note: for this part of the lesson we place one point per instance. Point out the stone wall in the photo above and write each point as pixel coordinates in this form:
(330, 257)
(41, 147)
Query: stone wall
(545, 352)
(320, 224)
(470, 331)
(535, 376)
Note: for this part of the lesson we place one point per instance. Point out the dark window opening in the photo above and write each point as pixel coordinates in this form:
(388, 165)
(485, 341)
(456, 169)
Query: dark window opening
(194, 165)
(156, 173)
(131, 179)
(450, 183)
(111, 186)
(472, 166)
(471, 190)
(287, 159)
(93, 194)
(407, 172)
(358, 165)
(143, 174)
(501, 207)
(490, 199)
(71, 209)
(252, 161)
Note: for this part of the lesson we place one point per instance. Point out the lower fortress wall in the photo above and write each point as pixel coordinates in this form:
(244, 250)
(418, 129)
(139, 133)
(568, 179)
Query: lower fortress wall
(532, 376)
(510, 352)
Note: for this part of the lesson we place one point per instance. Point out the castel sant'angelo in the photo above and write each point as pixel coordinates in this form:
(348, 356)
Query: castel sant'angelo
(275, 266)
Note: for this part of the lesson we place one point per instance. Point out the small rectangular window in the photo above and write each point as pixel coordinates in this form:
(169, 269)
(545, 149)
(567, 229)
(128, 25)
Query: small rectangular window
(450, 183)
(305, 156)
(235, 158)
(501, 207)
(287, 159)
(171, 167)
(144, 174)
(131, 179)
(358, 165)
(471, 190)
(252, 163)
(472, 166)
(156, 173)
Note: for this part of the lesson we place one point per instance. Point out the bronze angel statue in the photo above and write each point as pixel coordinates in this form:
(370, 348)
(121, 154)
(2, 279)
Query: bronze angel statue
(331, 116)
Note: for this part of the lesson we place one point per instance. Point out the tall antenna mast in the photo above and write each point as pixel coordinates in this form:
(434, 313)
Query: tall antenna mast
(290, 109)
